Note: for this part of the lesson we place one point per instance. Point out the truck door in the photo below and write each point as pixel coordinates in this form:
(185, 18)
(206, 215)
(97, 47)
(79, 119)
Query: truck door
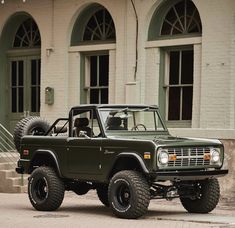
(84, 146)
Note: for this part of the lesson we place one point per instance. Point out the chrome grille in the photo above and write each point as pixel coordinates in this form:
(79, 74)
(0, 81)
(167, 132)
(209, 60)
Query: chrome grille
(189, 157)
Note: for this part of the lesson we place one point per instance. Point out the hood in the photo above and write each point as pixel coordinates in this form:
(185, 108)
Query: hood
(171, 141)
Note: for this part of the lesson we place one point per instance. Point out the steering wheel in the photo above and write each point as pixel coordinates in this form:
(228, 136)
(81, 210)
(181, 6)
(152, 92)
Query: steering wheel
(136, 127)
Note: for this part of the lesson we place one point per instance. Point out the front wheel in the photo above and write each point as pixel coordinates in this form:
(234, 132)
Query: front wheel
(102, 192)
(45, 189)
(129, 194)
(207, 197)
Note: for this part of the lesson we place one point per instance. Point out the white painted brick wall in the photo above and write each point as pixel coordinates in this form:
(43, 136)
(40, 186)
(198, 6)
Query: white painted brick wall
(214, 91)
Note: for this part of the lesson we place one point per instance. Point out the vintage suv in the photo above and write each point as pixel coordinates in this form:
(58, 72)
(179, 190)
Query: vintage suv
(125, 152)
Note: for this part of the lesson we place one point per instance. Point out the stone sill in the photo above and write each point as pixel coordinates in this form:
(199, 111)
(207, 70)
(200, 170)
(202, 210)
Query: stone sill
(203, 133)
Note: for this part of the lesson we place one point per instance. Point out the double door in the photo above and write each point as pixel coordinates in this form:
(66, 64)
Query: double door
(24, 88)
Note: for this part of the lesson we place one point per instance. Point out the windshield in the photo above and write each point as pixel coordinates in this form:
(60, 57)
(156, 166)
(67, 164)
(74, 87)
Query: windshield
(130, 120)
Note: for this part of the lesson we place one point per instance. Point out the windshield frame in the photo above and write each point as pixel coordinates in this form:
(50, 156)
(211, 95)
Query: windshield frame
(120, 109)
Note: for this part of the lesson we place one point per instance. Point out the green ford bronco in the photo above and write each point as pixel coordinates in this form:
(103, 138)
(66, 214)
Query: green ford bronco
(125, 153)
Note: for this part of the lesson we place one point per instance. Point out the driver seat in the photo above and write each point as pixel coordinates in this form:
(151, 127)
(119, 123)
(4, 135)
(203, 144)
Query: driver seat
(81, 124)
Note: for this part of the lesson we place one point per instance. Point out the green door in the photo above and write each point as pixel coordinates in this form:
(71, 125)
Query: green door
(24, 88)
(84, 157)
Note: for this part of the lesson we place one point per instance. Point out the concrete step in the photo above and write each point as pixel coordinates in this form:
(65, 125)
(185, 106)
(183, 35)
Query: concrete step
(9, 157)
(17, 181)
(8, 174)
(8, 166)
(18, 189)
(14, 184)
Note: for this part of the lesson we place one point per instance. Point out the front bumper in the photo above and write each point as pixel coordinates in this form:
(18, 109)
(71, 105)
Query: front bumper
(189, 175)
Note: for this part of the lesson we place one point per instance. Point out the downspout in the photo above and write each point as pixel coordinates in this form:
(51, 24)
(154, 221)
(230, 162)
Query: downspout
(136, 40)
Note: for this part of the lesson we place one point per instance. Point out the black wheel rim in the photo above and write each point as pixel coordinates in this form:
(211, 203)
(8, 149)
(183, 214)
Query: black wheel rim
(41, 189)
(123, 195)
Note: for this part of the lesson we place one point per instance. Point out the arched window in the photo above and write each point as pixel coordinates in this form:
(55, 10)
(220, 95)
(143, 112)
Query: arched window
(27, 35)
(182, 18)
(175, 18)
(94, 26)
(99, 27)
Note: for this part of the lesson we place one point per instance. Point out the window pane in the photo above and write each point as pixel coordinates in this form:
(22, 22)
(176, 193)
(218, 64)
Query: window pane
(33, 99)
(13, 73)
(21, 73)
(21, 99)
(187, 67)
(13, 100)
(94, 96)
(174, 104)
(187, 103)
(174, 67)
(39, 72)
(104, 96)
(103, 70)
(34, 72)
(38, 99)
(93, 70)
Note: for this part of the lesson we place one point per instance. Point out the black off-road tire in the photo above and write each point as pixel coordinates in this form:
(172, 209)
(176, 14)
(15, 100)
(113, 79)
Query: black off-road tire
(208, 199)
(102, 192)
(32, 125)
(45, 189)
(129, 194)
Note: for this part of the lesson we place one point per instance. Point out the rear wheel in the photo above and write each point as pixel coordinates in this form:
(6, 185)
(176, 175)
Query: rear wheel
(207, 197)
(129, 194)
(45, 189)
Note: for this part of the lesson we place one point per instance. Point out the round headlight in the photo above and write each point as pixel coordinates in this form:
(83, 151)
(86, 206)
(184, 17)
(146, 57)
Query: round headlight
(163, 157)
(215, 156)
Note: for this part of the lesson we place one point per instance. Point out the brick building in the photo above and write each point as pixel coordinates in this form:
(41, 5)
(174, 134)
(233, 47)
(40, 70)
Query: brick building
(179, 54)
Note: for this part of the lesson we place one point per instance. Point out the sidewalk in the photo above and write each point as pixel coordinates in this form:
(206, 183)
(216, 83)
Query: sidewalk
(87, 211)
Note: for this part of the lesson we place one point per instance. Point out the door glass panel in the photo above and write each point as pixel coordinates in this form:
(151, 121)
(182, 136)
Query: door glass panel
(33, 99)
(20, 99)
(99, 79)
(93, 70)
(174, 67)
(13, 73)
(17, 86)
(103, 70)
(187, 67)
(187, 103)
(35, 85)
(13, 100)
(104, 96)
(94, 96)
(174, 103)
(34, 72)
(21, 73)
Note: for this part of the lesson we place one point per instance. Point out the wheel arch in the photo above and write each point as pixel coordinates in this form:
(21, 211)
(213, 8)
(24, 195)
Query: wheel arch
(45, 157)
(128, 161)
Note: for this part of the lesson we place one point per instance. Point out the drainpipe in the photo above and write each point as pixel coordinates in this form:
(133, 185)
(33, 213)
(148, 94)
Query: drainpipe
(136, 40)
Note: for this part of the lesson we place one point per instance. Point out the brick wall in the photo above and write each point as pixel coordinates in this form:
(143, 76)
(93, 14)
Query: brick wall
(214, 53)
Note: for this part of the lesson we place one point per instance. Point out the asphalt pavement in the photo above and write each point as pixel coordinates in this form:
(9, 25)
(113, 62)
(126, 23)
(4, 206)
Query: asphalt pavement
(86, 211)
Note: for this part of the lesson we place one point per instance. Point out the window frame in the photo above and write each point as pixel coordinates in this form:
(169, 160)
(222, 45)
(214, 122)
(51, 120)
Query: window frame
(86, 87)
(165, 87)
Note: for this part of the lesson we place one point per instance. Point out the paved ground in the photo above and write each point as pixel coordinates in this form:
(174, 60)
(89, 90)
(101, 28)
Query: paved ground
(86, 211)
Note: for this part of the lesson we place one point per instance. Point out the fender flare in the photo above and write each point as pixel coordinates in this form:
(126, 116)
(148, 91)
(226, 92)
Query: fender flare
(132, 155)
(51, 154)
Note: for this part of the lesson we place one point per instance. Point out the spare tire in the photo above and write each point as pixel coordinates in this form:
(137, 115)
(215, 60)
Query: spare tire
(31, 125)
